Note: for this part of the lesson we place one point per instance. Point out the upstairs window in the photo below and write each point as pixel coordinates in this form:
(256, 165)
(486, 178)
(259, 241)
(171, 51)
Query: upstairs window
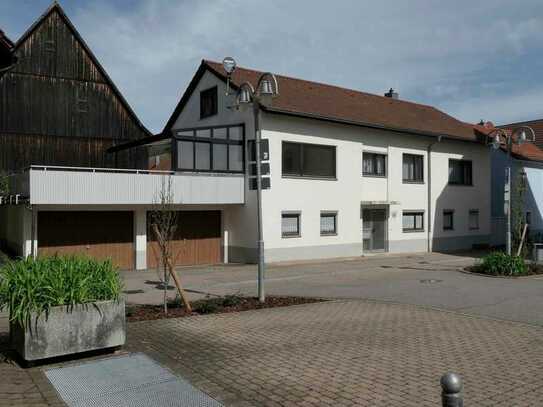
(374, 164)
(208, 102)
(308, 160)
(218, 149)
(460, 172)
(413, 168)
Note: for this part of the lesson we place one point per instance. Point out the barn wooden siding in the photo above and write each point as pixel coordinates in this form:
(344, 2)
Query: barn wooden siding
(58, 108)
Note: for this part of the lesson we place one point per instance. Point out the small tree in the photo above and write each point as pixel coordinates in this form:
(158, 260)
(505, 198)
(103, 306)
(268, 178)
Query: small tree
(164, 223)
(518, 218)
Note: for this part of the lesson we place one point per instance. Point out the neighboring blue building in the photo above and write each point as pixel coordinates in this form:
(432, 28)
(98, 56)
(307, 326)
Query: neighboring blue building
(527, 158)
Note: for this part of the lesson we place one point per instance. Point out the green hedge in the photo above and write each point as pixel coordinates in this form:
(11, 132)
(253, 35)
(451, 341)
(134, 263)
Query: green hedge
(35, 285)
(502, 264)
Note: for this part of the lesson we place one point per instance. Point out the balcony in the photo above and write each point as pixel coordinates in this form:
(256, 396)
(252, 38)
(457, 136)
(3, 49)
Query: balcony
(51, 185)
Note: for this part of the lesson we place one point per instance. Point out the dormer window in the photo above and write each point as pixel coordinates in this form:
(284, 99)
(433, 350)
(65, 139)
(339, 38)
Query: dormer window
(208, 102)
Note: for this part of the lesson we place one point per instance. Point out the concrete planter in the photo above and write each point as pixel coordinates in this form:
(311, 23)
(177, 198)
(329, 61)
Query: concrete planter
(68, 330)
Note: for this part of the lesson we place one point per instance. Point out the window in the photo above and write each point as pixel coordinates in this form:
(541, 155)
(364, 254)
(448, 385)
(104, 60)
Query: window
(208, 102)
(448, 220)
(308, 160)
(290, 225)
(213, 149)
(528, 218)
(413, 168)
(374, 164)
(328, 223)
(474, 219)
(460, 172)
(413, 221)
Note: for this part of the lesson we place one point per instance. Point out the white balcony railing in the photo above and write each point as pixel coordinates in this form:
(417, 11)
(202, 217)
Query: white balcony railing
(48, 185)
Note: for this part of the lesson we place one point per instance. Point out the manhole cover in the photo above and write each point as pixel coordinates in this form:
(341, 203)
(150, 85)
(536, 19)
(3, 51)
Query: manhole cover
(430, 281)
(126, 381)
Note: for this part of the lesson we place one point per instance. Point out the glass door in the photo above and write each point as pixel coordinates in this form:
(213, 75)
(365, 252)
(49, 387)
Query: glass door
(374, 230)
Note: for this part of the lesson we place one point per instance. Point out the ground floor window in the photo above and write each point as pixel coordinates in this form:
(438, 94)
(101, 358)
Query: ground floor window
(328, 223)
(448, 219)
(413, 221)
(474, 219)
(290, 224)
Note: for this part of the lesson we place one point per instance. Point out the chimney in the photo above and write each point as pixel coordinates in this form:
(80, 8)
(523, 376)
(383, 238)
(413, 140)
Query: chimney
(392, 94)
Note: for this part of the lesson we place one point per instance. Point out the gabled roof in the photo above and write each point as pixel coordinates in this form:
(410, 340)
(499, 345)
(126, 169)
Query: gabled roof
(5, 42)
(536, 125)
(55, 7)
(299, 97)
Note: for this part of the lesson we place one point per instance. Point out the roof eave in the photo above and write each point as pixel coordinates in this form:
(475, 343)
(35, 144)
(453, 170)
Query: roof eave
(372, 125)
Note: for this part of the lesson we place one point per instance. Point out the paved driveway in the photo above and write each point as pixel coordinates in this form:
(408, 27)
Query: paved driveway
(348, 353)
(420, 279)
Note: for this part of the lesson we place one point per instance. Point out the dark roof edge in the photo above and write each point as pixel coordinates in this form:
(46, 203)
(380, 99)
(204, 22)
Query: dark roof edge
(139, 142)
(55, 6)
(520, 122)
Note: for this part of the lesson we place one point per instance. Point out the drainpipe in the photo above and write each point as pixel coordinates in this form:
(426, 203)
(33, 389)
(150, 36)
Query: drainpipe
(429, 164)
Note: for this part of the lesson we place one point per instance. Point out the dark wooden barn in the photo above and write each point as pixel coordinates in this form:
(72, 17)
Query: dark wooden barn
(58, 106)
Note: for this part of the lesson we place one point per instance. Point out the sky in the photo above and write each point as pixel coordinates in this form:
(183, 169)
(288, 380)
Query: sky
(477, 59)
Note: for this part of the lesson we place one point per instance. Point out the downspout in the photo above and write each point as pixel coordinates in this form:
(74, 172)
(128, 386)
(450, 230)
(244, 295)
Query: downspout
(429, 194)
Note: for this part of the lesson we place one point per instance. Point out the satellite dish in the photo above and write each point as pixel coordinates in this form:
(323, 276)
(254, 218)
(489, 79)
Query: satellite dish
(229, 65)
(496, 142)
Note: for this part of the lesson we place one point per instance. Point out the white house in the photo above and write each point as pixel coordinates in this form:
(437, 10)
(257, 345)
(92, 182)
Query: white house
(351, 174)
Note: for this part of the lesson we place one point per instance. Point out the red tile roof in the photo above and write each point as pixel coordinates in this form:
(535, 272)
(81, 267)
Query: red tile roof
(536, 125)
(313, 99)
(527, 151)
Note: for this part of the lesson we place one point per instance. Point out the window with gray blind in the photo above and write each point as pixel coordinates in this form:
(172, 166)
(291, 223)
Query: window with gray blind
(374, 164)
(460, 172)
(413, 221)
(413, 168)
(328, 223)
(216, 149)
(290, 224)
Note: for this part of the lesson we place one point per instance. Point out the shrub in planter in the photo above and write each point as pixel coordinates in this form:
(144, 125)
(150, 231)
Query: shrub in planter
(61, 305)
(502, 264)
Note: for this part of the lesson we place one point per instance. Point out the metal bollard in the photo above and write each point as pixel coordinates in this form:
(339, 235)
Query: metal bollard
(451, 395)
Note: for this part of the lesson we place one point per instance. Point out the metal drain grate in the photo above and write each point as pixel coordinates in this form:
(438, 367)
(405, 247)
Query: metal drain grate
(132, 380)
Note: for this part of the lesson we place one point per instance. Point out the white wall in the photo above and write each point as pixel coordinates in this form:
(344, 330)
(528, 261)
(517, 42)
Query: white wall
(346, 194)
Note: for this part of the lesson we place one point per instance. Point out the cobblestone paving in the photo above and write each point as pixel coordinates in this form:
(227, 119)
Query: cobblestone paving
(22, 387)
(348, 353)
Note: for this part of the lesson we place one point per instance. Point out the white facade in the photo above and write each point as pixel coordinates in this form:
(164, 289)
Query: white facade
(350, 192)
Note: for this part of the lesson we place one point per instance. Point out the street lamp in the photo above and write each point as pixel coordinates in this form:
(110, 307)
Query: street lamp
(266, 89)
(498, 137)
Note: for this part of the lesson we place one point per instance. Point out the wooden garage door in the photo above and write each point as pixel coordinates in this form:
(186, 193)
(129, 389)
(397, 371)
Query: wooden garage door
(97, 234)
(197, 239)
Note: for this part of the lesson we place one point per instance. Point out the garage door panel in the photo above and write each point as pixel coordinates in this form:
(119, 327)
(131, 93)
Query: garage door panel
(97, 234)
(197, 239)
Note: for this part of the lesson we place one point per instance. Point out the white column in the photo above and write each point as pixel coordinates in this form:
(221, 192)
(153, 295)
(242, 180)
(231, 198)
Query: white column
(140, 238)
(28, 230)
(225, 245)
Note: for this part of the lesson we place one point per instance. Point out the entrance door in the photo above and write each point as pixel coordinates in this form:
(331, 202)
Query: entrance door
(374, 230)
